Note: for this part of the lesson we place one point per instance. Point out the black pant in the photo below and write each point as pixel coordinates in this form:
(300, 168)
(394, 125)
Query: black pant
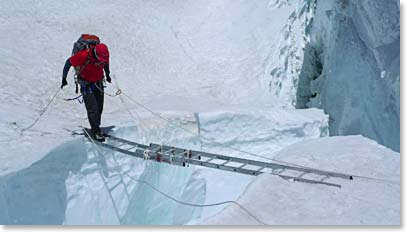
(93, 98)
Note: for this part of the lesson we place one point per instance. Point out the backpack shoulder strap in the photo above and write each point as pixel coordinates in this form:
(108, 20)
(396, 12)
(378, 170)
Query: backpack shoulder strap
(80, 68)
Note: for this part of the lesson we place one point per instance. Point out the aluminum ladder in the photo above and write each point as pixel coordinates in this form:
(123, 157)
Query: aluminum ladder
(186, 157)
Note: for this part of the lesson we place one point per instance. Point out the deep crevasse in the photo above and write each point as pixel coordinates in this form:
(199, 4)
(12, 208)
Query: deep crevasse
(352, 68)
(343, 57)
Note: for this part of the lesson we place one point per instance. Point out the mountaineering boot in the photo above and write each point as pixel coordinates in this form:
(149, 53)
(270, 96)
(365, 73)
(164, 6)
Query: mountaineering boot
(99, 137)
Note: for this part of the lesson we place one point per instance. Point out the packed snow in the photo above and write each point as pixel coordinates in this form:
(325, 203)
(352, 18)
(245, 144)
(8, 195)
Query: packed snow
(226, 74)
(371, 198)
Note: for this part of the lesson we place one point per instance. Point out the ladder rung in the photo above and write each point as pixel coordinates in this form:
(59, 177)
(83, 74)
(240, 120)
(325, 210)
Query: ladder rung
(115, 186)
(324, 178)
(180, 155)
(261, 168)
(241, 166)
(131, 148)
(226, 161)
(279, 171)
(121, 144)
(302, 174)
(168, 151)
(155, 150)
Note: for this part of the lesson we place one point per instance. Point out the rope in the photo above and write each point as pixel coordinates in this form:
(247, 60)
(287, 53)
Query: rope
(377, 179)
(201, 136)
(239, 150)
(127, 109)
(75, 98)
(174, 199)
(196, 134)
(42, 112)
(198, 205)
(118, 92)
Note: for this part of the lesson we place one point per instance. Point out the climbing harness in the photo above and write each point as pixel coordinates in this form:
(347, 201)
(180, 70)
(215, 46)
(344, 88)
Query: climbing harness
(86, 88)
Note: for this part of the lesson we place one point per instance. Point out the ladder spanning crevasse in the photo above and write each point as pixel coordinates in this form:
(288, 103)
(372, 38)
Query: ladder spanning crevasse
(185, 157)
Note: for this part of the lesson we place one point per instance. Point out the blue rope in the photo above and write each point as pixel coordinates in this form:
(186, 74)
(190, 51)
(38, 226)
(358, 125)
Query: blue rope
(84, 90)
(75, 98)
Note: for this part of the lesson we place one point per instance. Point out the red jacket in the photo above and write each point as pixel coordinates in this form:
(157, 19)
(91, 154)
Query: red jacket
(90, 69)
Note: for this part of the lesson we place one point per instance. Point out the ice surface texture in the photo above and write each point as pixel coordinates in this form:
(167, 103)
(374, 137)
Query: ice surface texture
(352, 68)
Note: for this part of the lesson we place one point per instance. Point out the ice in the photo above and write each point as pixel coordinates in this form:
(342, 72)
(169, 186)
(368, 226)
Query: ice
(353, 46)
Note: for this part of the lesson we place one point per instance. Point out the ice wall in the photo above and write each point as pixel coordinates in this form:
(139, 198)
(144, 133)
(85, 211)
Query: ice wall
(351, 68)
(285, 61)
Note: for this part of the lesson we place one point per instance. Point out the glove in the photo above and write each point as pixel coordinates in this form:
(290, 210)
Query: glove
(108, 79)
(64, 82)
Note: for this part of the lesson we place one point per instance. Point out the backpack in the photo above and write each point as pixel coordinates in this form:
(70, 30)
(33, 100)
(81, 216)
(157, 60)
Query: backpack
(85, 41)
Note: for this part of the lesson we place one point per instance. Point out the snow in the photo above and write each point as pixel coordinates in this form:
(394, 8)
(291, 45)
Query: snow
(163, 54)
(358, 202)
(225, 70)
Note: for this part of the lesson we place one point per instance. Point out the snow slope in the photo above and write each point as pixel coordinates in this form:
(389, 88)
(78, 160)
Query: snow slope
(359, 202)
(179, 55)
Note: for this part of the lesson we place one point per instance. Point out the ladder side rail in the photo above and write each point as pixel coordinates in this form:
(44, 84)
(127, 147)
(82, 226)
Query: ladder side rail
(229, 158)
(309, 181)
(241, 160)
(181, 162)
(274, 165)
(137, 153)
(167, 151)
(127, 142)
(223, 167)
(271, 165)
(319, 172)
(168, 148)
(221, 157)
